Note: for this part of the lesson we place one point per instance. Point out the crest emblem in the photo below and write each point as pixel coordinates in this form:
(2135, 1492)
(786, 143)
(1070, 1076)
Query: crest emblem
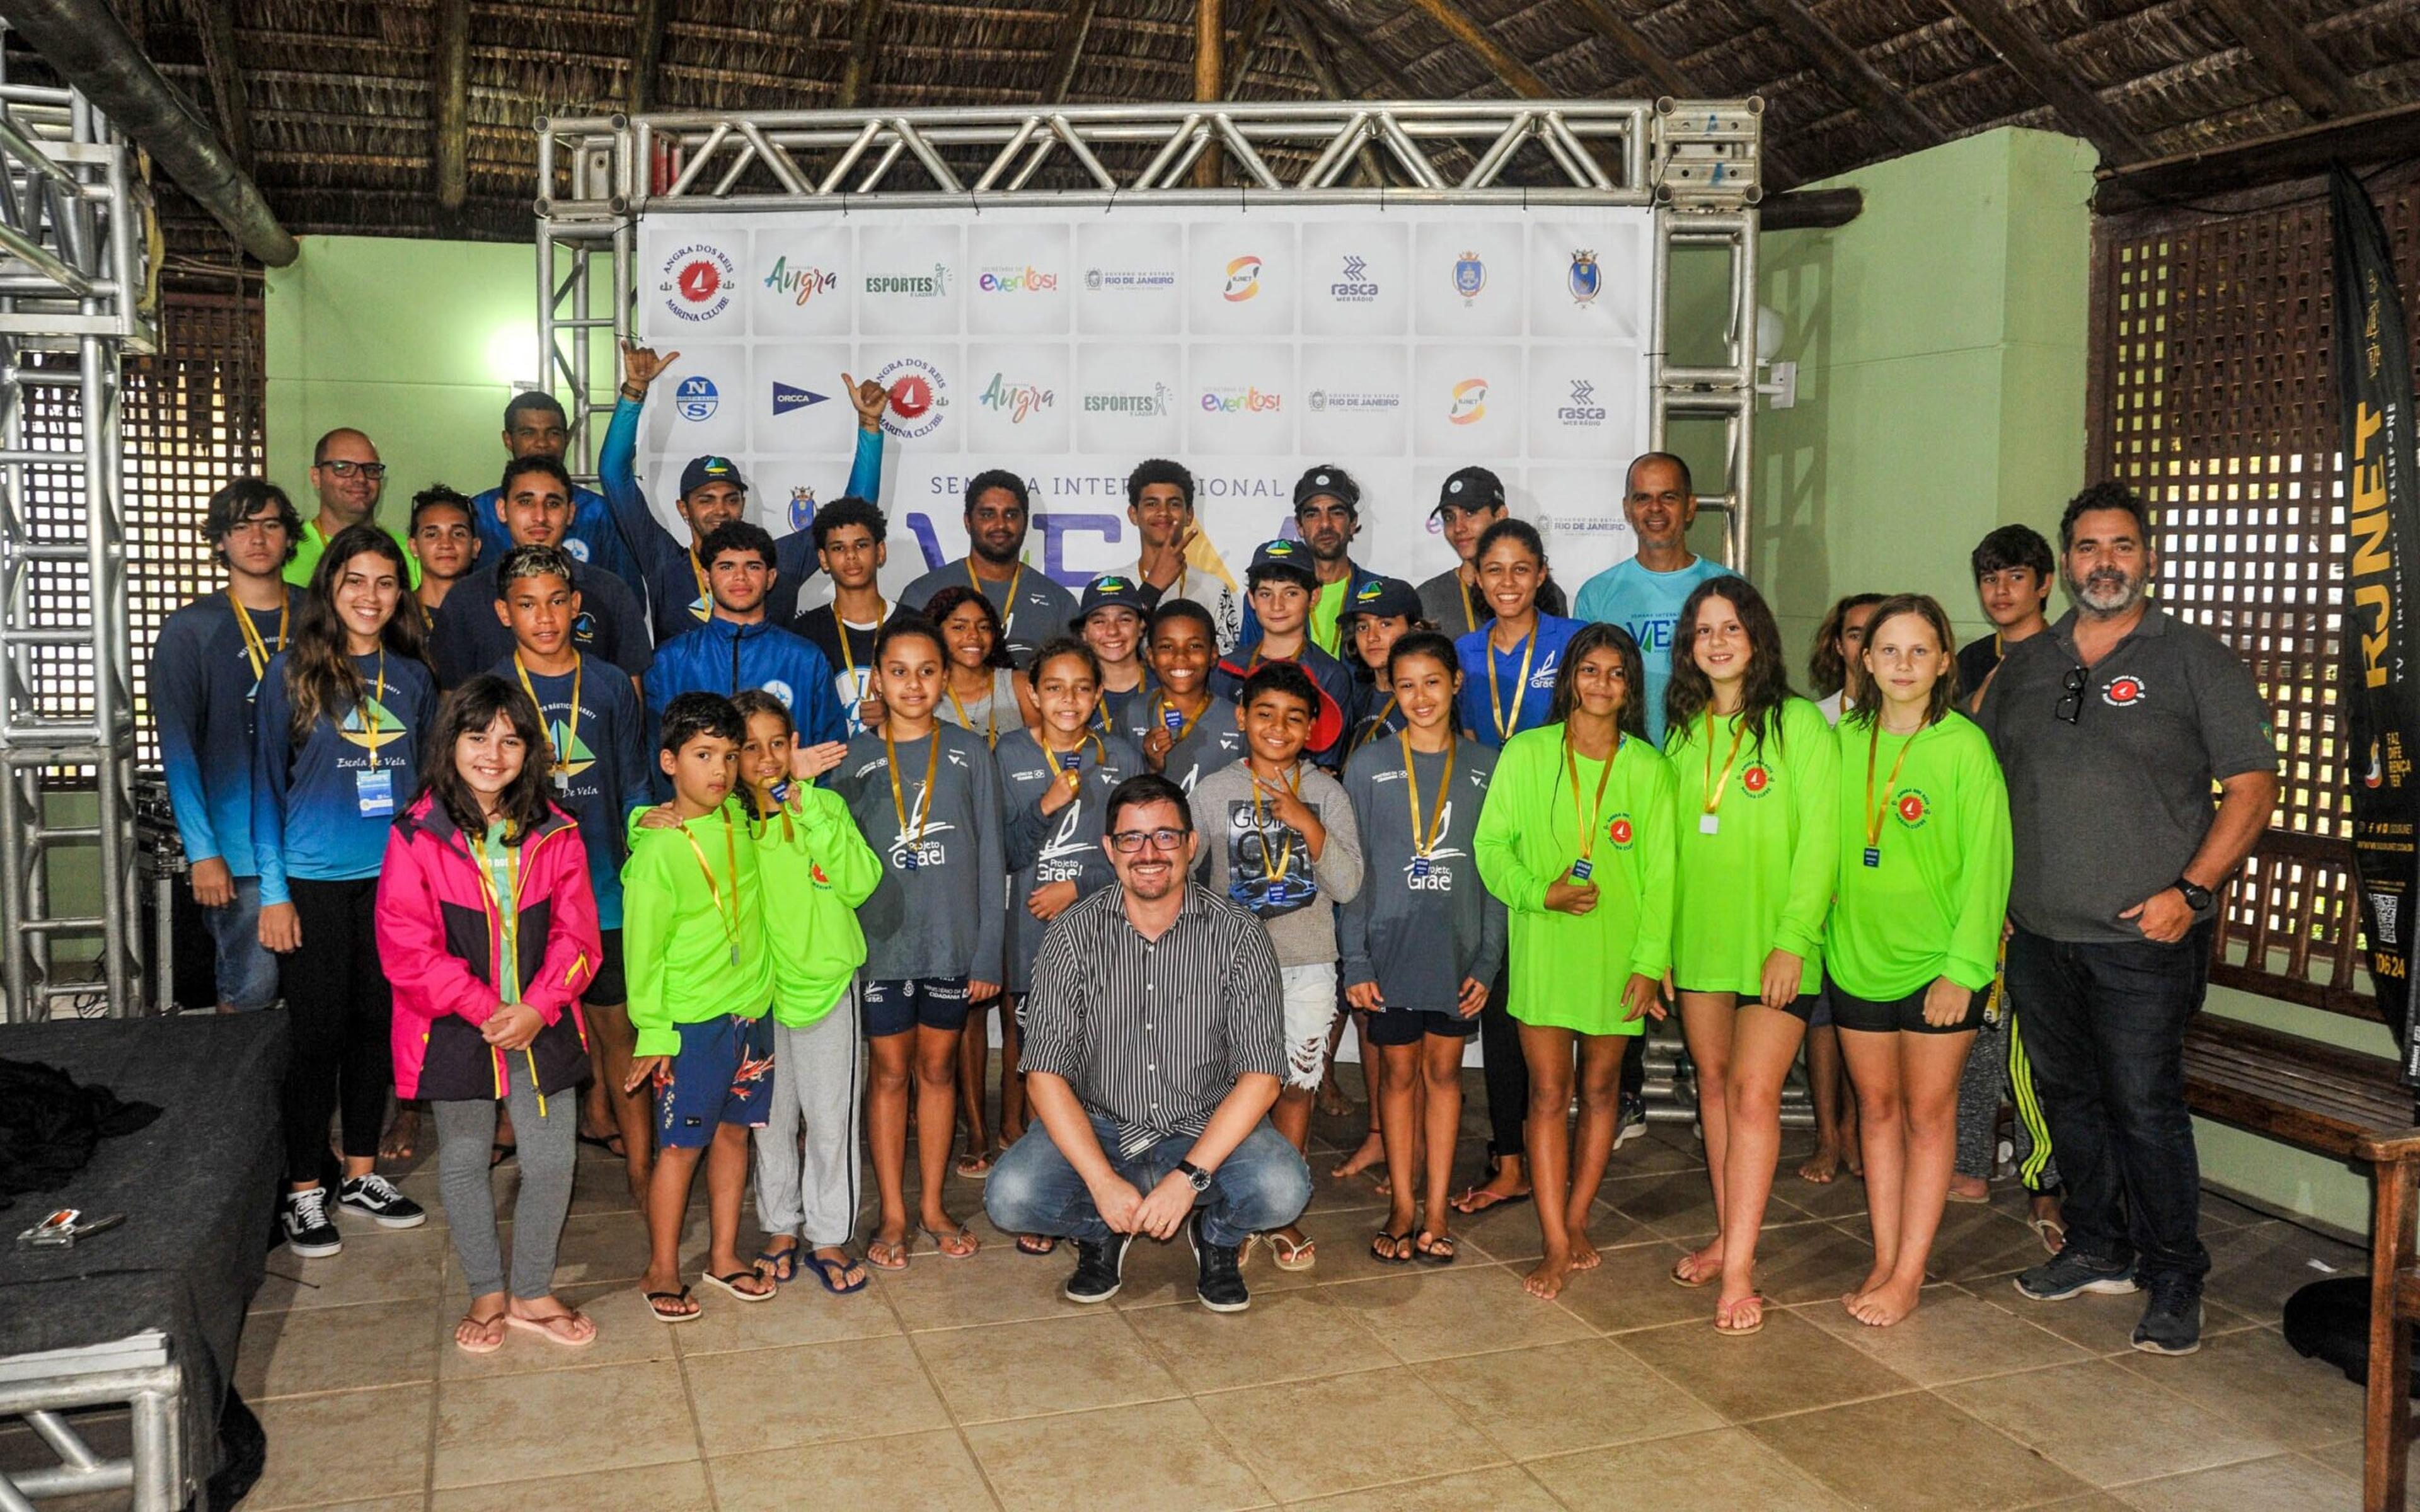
(1586, 278)
(1469, 275)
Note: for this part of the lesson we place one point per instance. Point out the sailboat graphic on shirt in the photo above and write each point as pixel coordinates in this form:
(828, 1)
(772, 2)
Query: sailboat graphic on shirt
(374, 732)
(908, 852)
(571, 754)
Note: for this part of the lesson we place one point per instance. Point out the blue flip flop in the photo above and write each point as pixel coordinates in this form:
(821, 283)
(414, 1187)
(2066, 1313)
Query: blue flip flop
(829, 1272)
(774, 1258)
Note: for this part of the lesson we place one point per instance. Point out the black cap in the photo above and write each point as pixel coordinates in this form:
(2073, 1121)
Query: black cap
(1291, 558)
(1473, 488)
(1330, 480)
(704, 469)
(1110, 591)
(1385, 597)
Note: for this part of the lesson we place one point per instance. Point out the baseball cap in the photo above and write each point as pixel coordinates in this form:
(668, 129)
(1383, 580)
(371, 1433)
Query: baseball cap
(1290, 559)
(1473, 488)
(1385, 597)
(1110, 591)
(704, 469)
(1329, 480)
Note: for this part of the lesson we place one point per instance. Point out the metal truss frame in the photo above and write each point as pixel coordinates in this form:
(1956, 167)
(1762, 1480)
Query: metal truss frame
(73, 302)
(1697, 162)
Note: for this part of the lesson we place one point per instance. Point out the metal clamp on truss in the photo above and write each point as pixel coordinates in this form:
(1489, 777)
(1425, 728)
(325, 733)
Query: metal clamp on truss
(1706, 153)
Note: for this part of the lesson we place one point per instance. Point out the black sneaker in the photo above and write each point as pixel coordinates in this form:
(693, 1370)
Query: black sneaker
(2172, 1324)
(1100, 1268)
(1222, 1286)
(1634, 1121)
(309, 1231)
(2071, 1272)
(376, 1196)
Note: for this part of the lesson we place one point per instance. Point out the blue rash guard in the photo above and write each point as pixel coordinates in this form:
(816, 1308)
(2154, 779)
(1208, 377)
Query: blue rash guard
(602, 771)
(307, 801)
(1491, 723)
(593, 538)
(203, 683)
(727, 657)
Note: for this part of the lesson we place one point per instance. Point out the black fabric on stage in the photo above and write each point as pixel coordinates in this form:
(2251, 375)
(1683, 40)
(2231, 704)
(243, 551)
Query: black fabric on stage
(197, 1187)
(51, 1124)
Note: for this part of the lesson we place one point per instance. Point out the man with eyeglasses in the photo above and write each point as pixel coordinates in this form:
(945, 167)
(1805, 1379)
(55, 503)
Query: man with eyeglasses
(2112, 726)
(348, 478)
(1152, 1059)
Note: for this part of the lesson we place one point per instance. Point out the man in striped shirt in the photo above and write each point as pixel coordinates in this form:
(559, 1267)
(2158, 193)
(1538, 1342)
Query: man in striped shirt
(1152, 1056)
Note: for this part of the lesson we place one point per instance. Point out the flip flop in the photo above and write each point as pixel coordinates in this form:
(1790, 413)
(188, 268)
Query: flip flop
(603, 1142)
(897, 1247)
(654, 1298)
(1382, 1247)
(1037, 1244)
(1732, 1330)
(829, 1272)
(1956, 1196)
(498, 1154)
(545, 1328)
(974, 1167)
(484, 1345)
(779, 1259)
(965, 1236)
(1477, 1199)
(2052, 1233)
(1432, 1248)
(1290, 1256)
(1678, 1275)
(730, 1281)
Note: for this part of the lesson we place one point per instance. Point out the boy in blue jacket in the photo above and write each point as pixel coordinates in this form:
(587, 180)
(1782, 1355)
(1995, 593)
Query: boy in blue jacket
(738, 649)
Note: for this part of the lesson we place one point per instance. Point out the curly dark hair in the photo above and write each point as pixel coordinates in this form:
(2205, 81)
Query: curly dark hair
(948, 601)
(1767, 687)
(1589, 641)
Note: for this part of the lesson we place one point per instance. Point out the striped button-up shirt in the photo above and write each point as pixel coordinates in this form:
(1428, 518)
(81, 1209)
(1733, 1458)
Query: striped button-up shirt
(1151, 1034)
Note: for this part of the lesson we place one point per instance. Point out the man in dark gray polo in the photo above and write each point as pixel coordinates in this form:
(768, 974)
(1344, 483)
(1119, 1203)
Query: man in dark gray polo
(1153, 1055)
(2113, 729)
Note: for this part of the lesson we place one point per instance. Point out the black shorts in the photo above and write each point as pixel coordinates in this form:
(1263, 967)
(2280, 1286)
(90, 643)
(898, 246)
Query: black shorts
(1801, 1007)
(608, 985)
(1407, 1026)
(1903, 1015)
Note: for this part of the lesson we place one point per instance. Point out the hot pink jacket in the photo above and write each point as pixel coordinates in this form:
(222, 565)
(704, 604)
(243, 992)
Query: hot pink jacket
(439, 935)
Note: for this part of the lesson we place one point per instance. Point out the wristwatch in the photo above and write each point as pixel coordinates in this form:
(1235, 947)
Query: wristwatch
(2197, 898)
(1194, 1174)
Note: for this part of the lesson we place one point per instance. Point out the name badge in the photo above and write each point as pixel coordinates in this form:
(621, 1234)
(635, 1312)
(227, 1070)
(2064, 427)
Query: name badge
(907, 861)
(374, 790)
(1067, 760)
(1874, 856)
(1580, 869)
(1710, 823)
(562, 782)
(1174, 721)
(1419, 866)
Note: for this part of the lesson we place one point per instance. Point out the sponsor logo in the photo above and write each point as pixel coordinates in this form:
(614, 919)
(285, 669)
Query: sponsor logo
(571, 754)
(696, 397)
(1355, 285)
(1098, 279)
(2124, 691)
(1020, 401)
(380, 728)
(802, 282)
(786, 398)
(1243, 280)
(575, 549)
(584, 628)
(1026, 280)
(697, 282)
(1469, 276)
(1585, 279)
(780, 689)
(1152, 403)
(1911, 807)
(802, 507)
(1469, 402)
(1757, 781)
(1618, 830)
(1247, 400)
(919, 397)
(1583, 411)
(932, 286)
(1343, 402)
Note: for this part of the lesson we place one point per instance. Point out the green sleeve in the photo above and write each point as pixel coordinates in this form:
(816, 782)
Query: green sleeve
(647, 926)
(1814, 757)
(1497, 842)
(831, 836)
(1651, 948)
(1987, 857)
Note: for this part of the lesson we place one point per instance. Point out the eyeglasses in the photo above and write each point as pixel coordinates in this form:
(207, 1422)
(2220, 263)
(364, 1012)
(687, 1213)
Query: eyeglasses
(372, 470)
(1128, 841)
(2070, 706)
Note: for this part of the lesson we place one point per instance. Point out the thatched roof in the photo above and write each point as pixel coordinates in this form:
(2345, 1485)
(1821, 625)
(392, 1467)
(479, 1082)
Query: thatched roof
(338, 97)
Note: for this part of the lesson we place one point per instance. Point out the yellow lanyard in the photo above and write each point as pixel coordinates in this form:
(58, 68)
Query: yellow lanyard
(1008, 615)
(1470, 615)
(1506, 724)
(371, 715)
(1716, 787)
(487, 880)
(849, 657)
(1073, 771)
(899, 795)
(570, 720)
(731, 844)
(255, 649)
(704, 608)
(1284, 862)
(991, 719)
(1378, 722)
(1161, 708)
(1874, 814)
(1596, 810)
(1425, 842)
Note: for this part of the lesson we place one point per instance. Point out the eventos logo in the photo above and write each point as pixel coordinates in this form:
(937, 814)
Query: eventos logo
(697, 282)
(1018, 401)
(802, 282)
(1249, 400)
(1355, 285)
(932, 286)
(1143, 404)
(1583, 411)
(1026, 280)
(919, 397)
(1243, 280)
(1469, 402)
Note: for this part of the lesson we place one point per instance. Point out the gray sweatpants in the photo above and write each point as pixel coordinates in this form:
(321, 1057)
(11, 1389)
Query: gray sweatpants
(1978, 1101)
(465, 1129)
(807, 1152)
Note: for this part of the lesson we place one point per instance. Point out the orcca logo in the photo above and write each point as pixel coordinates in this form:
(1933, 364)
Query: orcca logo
(697, 282)
(2122, 691)
(1020, 400)
(1243, 280)
(802, 282)
(1242, 401)
(1026, 280)
(1617, 829)
(1470, 401)
(919, 397)
(1754, 780)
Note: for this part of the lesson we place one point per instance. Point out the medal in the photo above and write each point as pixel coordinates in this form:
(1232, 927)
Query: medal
(1711, 822)
(899, 797)
(1583, 867)
(1580, 870)
(1873, 815)
(1424, 843)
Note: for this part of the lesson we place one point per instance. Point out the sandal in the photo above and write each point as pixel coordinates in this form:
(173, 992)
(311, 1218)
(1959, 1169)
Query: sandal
(1479, 1199)
(1432, 1248)
(830, 1271)
(1384, 1248)
(656, 1301)
(1726, 1324)
(402, 1140)
(610, 1143)
(973, 1167)
(1293, 1255)
(895, 1249)
(729, 1281)
(785, 1264)
(492, 1335)
(1037, 1244)
(964, 1236)
(498, 1154)
(2052, 1233)
(551, 1328)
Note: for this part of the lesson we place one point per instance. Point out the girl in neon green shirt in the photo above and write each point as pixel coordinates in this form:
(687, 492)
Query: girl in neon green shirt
(1755, 776)
(1576, 838)
(1917, 911)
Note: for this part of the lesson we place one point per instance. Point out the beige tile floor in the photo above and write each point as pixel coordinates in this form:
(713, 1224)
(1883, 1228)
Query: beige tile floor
(971, 1384)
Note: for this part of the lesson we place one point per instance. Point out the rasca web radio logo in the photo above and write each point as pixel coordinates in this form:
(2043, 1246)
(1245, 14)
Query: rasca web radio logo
(697, 282)
(926, 285)
(1583, 411)
(802, 283)
(696, 397)
(1246, 400)
(1469, 402)
(919, 397)
(1243, 280)
(1142, 404)
(1020, 402)
(1354, 286)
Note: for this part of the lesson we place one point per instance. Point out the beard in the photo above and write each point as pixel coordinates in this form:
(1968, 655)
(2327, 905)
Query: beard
(2106, 592)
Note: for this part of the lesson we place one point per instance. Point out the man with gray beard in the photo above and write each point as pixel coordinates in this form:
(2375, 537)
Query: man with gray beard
(2112, 727)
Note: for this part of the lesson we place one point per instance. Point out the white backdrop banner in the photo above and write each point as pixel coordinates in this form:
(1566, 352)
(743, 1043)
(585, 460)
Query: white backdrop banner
(1068, 344)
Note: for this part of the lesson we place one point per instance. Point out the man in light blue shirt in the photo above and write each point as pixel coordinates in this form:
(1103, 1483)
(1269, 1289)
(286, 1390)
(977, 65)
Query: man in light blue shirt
(1644, 595)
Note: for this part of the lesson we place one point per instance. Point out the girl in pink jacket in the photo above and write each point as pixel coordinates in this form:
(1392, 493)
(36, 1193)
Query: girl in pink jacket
(487, 929)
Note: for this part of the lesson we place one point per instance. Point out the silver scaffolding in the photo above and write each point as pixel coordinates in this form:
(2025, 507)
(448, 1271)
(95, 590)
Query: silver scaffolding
(1696, 162)
(73, 303)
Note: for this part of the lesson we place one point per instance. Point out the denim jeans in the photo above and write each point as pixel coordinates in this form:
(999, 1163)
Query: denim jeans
(247, 972)
(1263, 1184)
(2105, 1027)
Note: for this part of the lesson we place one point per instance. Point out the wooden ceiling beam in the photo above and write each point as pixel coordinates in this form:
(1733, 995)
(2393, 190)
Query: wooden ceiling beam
(214, 25)
(2048, 76)
(2373, 138)
(646, 55)
(2288, 56)
(450, 67)
(1252, 40)
(1845, 68)
(1068, 55)
(863, 25)
(1510, 71)
(1644, 56)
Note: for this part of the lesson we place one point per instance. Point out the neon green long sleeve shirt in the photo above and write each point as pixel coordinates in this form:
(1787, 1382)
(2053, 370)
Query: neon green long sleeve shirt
(677, 928)
(1567, 970)
(816, 869)
(1762, 881)
(1934, 905)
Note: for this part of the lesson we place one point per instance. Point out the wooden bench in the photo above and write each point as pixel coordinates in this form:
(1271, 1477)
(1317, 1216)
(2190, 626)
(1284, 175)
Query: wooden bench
(2302, 1092)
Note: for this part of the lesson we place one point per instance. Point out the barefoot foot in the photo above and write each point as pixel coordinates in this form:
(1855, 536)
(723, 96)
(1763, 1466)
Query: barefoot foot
(1822, 1165)
(1372, 1151)
(1546, 1281)
(1883, 1305)
(1584, 1255)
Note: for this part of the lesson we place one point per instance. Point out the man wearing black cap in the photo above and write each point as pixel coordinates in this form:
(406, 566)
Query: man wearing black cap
(1159, 505)
(1471, 500)
(1282, 583)
(1327, 513)
(534, 425)
(468, 636)
(712, 493)
(1031, 607)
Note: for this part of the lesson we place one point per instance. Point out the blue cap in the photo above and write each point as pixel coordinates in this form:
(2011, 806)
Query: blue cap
(1110, 591)
(704, 469)
(1290, 559)
(1385, 597)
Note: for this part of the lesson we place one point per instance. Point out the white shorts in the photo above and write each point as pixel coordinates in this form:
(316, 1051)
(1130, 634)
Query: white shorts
(1309, 1012)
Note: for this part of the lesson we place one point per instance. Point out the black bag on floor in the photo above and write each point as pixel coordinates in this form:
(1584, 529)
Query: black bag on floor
(2330, 1320)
